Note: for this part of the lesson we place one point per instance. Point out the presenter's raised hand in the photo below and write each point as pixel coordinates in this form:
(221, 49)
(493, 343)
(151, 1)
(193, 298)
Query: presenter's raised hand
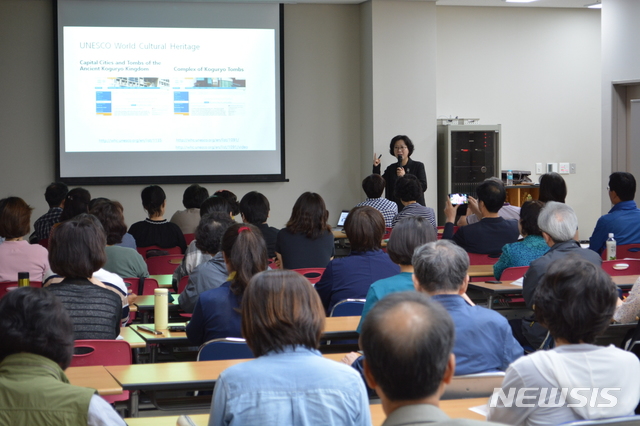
(376, 160)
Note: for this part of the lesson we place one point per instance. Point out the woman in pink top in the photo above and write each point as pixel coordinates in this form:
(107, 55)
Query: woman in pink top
(16, 254)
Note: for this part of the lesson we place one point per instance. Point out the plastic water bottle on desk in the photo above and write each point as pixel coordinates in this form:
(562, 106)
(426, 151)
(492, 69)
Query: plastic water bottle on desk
(611, 248)
(509, 178)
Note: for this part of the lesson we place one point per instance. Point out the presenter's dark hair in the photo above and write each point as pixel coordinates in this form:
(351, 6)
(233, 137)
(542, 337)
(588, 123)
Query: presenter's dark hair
(552, 188)
(492, 194)
(231, 198)
(111, 217)
(76, 202)
(152, 199)
(529, 217)
(215, 204)
(406, 140)
(624, 184)
(245, 252)
(210, 231)
(55, 193)
(15, 217)
(409, 234)
(76, 247)
(407, 339)
(255, 207)
(575, 300)
(34, 321)
(364, 228)
(194, 196)
(309, 216)
(408, 188)
(373, 185)
(280, 308)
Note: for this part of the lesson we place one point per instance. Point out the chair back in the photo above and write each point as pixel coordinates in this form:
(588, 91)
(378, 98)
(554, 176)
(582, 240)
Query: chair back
(387, 233)
(482, 259)
(103, 352)
(183, 283)
(478, 385)
(164, 265)
(44, 243)
(189, 237)
(513, 273)
(142, 286)
(617, 421)
(312, 274)
(273, 264)
(172, 250)
(625, 251)
(348, 308)
(225, 348)
(6, 285)
(622, 267)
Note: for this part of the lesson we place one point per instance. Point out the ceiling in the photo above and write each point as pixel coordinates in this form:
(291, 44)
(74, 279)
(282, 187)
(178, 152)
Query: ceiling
(499, 3)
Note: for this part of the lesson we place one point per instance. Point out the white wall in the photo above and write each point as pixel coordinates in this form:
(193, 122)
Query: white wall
(537, 72)
(322, 98)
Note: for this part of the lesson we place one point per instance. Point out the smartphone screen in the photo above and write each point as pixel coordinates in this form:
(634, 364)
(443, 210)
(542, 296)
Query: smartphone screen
(458, 199)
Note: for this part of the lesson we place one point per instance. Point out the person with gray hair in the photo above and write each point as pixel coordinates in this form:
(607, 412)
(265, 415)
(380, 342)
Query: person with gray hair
(484, 340)
(559, 225)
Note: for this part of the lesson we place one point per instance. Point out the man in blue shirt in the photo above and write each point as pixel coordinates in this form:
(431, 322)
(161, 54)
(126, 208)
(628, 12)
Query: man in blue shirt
(623, 220)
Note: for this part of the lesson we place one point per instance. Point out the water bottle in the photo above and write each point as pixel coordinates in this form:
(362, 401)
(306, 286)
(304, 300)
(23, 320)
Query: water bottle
(611, 248)
(509, 178)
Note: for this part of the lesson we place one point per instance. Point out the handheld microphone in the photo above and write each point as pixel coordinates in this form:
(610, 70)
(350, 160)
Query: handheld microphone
(399, 160)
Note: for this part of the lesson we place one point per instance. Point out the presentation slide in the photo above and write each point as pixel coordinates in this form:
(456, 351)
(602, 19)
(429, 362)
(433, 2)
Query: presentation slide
(169, 89)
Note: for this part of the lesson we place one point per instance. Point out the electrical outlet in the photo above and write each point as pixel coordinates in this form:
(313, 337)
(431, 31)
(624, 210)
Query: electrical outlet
(572, 168)
(539, 169)
(564, 169)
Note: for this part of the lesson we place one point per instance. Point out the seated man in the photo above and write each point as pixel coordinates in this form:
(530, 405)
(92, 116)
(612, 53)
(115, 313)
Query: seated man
(36, 346)
(623, 220)
(55, 195)
(408, 191)
(507, 211)
(559, 225)
(484, 340)
(490, 234)
(373, 185)
(407, 341)
(254, 208)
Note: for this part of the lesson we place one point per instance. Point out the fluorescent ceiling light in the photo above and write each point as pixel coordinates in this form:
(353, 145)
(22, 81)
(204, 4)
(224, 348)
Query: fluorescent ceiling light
(596, 5)
(519, 1)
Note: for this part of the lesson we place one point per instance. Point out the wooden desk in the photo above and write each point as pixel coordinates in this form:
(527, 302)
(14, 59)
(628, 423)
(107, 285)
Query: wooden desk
(341, 328)
(164, 280)
(95, 377)
(133, 338)
(480, 271)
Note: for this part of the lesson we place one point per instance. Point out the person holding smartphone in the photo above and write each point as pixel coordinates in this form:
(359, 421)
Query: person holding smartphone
(401, 147)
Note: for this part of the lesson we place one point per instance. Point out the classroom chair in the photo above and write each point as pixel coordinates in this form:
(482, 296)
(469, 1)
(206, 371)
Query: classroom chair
(225, 348)
(183, 283)
(513, 273)
(142, 286)
(482, 259)
(312, 274)
(348, 308)
(189, 237)
(621, 267)
(625, 251)
(164, 265)
(172, 250)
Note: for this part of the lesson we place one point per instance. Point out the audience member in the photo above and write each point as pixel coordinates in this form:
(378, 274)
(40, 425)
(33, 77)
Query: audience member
(490, 234)
(407, 341)
(156, 230)
(407, 235)
(552, 188)
(623, 220)
(76, 251)
(55, 195)
(575, 300)
(408, 190)
(373, 185)
(531, 247)
(307, 240)
(76, 202)
(559, 225)
(507, 211)
(123, 261)
(192, 199)
(212, 273)
(628, 309)
(36, 346)
(231, 199)
(289, 383)
(217, 311)
(255, 208)
(16, 254)
(350, 277)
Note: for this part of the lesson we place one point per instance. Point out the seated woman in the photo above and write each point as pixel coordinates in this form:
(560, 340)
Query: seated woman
(156, 230)
(231, 198)
(350, 277)
(76, 251)
(212, 273)
(123, 261)
(189, 218)
(525, 251)
(16, 254)
(408, 190)
(76, 202)
(575, 300)
(217, 312)
(289, 383)
(307, 240)
(409, 233)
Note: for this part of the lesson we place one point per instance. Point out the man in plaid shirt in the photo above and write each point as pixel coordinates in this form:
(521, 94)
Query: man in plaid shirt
(55, 195)
(373, 186)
